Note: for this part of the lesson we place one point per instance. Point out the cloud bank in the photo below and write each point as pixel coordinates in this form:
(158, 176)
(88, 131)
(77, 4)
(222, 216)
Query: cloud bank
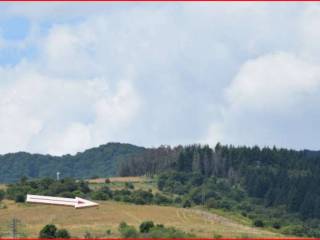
(153, 74)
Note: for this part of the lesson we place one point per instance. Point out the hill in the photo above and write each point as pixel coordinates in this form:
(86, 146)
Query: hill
(109, 214)
(100, 161)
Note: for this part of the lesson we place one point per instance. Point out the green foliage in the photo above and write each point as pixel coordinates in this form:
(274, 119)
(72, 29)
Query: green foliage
(99, 162)
(276, 225)
(148, 230)
(51, 231)
(129, 185)
(87, 235)
(62, 233)
(167, 233)
(161, 199)
(19, 198)
(48, 231)
(186, 204)
(63, 188)
(103, 193)
(127, 231)
(295, 230)
(258, 223)
(2, 194)
(146, 226)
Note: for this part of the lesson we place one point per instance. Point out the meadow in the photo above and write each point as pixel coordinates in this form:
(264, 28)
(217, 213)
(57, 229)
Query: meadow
(109, 214)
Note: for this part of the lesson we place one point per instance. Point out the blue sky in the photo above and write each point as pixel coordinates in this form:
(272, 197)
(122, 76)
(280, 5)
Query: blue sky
(77, 75)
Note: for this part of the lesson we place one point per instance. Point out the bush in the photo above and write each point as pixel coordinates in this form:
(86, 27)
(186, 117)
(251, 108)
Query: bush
(67, 195)
(146, 226)
(224, 204)
(178, 200)
(48, 231)
(87, 235)
(211, 203)
(161, 199)
(2, 194)
(258, 223)
(276, 225)
(98, 195)
(127, 231)
(62, 233)
(295, 230)
(107, 180)
(129, 185)
(186, 204)
(20, 198)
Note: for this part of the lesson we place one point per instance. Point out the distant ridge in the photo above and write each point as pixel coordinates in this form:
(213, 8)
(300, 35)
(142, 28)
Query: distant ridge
(98, 161)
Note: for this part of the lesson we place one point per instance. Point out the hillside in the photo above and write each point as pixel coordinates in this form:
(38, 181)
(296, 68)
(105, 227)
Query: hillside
(109, 214)
(100, 161)
(280, 186)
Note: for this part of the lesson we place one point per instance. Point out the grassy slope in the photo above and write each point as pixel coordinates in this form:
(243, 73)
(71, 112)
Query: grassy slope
(109, 214)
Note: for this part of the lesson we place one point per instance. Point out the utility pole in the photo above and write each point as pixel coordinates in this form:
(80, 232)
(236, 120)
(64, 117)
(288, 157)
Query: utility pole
(203, 196)
(13, 226)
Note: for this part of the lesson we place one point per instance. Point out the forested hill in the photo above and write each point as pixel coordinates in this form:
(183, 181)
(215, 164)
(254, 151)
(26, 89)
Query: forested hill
(278, 177)
(100, 161)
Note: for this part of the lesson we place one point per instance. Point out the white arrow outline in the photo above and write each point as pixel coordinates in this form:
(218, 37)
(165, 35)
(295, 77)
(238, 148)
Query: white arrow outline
(74, 202)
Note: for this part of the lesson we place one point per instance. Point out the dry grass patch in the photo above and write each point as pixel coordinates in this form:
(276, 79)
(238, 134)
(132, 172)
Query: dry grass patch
(119, 179)
(109, 214)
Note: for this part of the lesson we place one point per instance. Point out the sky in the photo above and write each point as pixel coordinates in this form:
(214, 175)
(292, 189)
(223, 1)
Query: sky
(77, 75)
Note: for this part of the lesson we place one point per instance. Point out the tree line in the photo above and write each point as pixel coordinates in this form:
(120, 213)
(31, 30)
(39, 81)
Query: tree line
(277, 176)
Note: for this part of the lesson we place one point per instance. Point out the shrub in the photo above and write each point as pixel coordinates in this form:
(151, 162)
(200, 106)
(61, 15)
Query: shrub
(186, 204)
(127, 231)
(164, 232)
(276, 225)
(211, 203)
(107, 180)
(20, 198)
(146, 226)
(129, 185)
(48, 231)
(62, 233)
(178, 200)
(87, 235)
(224, 204)
(296, 230)
(99, 196)
(161, 199)
(258, 223)
(2, 194)
(67, 195)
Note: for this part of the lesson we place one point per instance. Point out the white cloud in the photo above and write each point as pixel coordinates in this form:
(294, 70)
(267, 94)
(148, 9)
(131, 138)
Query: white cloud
(159, 73)
(266, 103)
(274, 82)
(44, 114)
